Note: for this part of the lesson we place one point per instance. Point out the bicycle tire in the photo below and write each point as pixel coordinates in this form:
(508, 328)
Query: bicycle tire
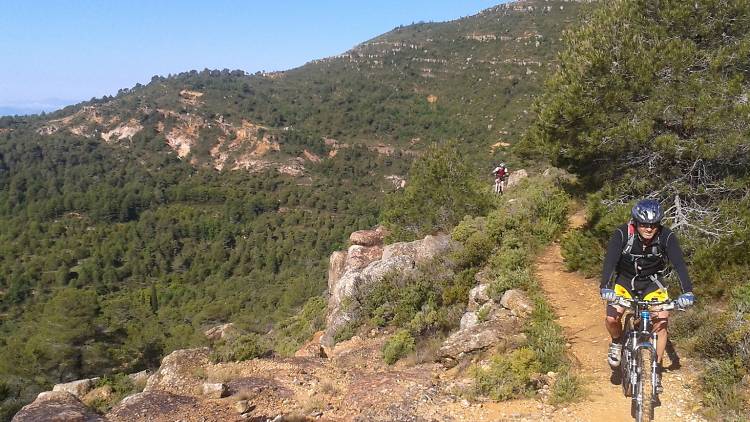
(626, 356)
(627, 386)
(644, 400)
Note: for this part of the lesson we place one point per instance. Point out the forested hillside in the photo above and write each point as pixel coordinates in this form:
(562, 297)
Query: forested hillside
(130, 224)
(651, 100)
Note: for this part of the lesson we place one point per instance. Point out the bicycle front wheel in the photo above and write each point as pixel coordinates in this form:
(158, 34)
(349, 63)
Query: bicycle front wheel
(644, 404)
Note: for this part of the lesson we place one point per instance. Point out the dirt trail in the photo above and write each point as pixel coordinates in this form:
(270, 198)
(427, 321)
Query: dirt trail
(580, 312)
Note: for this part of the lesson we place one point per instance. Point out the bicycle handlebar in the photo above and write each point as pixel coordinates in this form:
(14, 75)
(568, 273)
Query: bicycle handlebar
(666, 305)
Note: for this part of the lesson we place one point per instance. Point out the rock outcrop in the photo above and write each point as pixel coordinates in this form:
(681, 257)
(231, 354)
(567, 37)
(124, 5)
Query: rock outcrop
(56, 406)
(487, 324)
(515, 177)
(177, 374)
(364, 266)
(77, 388)
(372, 237)
(222, 332)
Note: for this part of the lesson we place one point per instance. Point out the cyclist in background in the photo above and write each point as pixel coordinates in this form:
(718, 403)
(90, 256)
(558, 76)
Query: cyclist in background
(501, 177)
(635, 264)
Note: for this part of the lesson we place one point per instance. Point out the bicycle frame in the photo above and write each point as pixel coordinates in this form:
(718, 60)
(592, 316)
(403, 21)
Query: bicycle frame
(638, 337)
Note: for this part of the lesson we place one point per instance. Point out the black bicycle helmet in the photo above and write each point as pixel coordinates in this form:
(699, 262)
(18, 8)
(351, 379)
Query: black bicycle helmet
(647, 211)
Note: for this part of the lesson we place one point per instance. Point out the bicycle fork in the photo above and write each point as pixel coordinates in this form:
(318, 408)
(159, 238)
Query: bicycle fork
(651, 346)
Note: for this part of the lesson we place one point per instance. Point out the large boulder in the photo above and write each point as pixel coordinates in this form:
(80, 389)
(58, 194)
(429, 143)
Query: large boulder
(348, 291)
(419, 250)
(77, 388)
(336, 268)
(517, 302)
(372, 237)
(178, 373)
(487, 324)
(468, 320)
(223, 332)
(515, 177)
(56, 406)
(214, 390)
(500, 332)
(358, 257)
(478, 296)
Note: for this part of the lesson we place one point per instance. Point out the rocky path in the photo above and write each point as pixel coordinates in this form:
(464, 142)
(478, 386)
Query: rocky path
(581, 314)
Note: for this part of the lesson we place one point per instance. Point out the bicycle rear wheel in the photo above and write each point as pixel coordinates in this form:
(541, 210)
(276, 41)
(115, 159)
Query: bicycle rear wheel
(644, 405)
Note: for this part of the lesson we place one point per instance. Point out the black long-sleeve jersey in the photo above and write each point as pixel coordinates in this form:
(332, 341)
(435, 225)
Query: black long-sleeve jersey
(636, 270)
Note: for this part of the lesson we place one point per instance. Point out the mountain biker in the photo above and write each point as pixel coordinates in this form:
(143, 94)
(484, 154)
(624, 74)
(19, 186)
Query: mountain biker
(501, 175)
(635, 264)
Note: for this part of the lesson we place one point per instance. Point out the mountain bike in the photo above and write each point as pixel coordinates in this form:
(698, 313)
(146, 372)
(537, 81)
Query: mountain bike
(498, 188)
(638, 360)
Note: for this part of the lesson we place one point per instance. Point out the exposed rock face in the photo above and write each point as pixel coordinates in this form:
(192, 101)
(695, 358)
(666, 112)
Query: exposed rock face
(127, 130)
(77, 388)
(56, 406)
(468, 320)
(516, 176)
(336, 268)
(368, 237)
(363, 267)
(478, 296)
(222, 332)
(358, 257)
(419, 250)
(177, 373)
(398, 181)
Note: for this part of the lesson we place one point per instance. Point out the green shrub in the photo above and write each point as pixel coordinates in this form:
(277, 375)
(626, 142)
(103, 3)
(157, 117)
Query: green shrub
(582, 252)
(568, 388)
(508, 376)
(346, 332)
(442, 190)
(399, 345)
(511, 258)
(546, 338)
(506, 280)
(457, 290)
(721, 389)
(468, 226)
(121, 386)
(291, 333)
(244, 347)
(10, 407)
(476, 249)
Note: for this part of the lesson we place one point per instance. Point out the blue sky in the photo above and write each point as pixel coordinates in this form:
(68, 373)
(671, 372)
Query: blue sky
(61, 52)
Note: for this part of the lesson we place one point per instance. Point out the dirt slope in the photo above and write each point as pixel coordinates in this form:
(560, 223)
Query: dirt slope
(581, 314)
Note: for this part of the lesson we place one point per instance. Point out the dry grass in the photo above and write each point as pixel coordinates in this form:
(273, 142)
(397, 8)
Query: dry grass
(425, 352)
(313, 403)
(328, 388)
(223, 373)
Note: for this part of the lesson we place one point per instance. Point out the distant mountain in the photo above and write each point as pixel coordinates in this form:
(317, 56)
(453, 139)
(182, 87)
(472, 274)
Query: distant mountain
(471, 79)
(45, 106)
